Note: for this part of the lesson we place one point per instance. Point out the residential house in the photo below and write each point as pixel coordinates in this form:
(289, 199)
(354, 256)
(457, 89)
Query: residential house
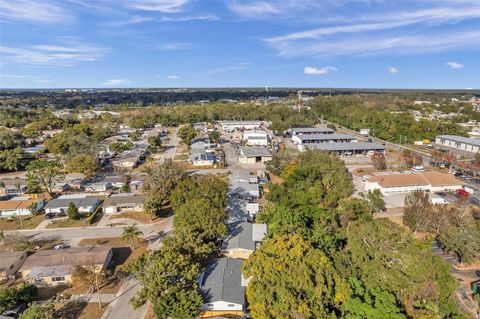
(243, 239)
(200, 157)
(222, 288)
(57, 267)
(20, 206)
(10, 263)
(122, 203)
(84, 204)
(115, 181)
(13, 187)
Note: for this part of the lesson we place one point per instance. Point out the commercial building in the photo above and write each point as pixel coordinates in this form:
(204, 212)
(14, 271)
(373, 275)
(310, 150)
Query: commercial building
(56, 267)
(222, 288)
(123, 203)
(459, 143)
(240, 125)
(302, 140)
(255, 138)
(310, 131)
(401, 183)
(252, 155)
(347, 149)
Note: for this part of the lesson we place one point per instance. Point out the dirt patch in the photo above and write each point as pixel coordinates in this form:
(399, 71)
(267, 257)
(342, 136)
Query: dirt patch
(277, 180)
(139, 217)
(80, 310)
(13, 223)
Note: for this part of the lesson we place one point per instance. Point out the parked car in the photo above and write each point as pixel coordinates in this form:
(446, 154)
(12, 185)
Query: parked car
(462, 193)
(61, 246)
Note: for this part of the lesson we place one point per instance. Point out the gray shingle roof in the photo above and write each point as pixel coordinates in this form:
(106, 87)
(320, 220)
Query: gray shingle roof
(78, 202)
(129, 199)
(240, 236)
(222, 281)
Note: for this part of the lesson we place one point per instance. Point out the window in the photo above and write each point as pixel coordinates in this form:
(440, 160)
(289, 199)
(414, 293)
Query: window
(231, 305)
(210, 305)
(56, 279)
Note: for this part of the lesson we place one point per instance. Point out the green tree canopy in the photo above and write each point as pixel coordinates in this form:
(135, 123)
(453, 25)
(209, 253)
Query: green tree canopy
(43, 174)
(291, 279)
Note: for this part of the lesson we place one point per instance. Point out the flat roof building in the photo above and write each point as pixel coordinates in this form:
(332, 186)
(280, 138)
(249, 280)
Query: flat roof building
(240, 125)
(347, 148)
(460, 143)
(402, 183)
(310, 130)
(251, 155)
(301, 140)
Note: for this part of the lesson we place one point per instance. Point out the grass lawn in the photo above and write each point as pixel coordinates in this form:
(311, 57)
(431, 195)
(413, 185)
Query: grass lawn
(140, 217)
(180, 157)
(65, 222)
(122, 253)
(29, 222)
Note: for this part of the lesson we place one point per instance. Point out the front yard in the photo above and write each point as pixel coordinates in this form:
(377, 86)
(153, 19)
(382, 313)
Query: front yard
(29, 222)
(142, 218)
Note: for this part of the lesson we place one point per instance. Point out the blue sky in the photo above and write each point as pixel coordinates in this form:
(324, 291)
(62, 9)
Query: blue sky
(240, 43)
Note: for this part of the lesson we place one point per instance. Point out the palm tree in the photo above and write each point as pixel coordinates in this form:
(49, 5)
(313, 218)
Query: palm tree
(131, 233)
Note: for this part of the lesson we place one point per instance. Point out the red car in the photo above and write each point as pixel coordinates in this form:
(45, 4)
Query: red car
(462, 193)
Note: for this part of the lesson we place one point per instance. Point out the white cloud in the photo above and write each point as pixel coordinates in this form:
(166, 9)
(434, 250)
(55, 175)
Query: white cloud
(378, 44)
(253, 8)
(240, 66)
(310, 70)
(116, 82)
(33, 11)
(393, 70)
(205, 17)
(172, 46)
(173, 77)
(454, 65)
(164, 6)
(67, 53)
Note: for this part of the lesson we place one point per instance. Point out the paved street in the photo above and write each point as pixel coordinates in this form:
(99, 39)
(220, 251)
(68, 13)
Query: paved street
(150, 231)
(171, 147)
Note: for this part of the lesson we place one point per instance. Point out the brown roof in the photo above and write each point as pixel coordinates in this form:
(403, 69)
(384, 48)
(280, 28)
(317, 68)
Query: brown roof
(416, 179)
(74, 256)
(441, 179)
(16, 204)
